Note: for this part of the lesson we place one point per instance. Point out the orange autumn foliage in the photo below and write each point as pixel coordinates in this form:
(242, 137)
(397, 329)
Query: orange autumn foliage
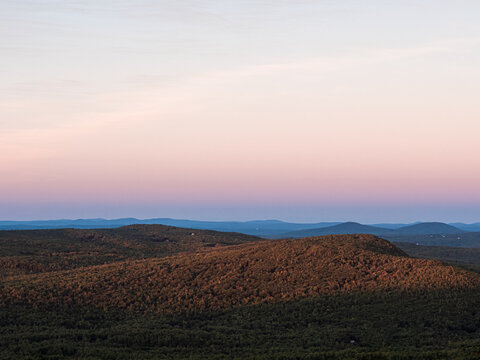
(257, 272)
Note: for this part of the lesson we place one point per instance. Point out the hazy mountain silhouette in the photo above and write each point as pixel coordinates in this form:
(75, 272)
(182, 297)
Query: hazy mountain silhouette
(467, 227)
(262, 228)
(356, 228)
(265, 228)
(428, 228)
(343, 228)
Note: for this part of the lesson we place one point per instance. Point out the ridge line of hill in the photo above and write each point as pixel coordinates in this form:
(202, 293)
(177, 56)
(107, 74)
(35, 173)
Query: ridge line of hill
(425, 228)
(263, 228)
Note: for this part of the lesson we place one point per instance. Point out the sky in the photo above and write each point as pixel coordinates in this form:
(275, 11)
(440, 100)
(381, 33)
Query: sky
(297, 110)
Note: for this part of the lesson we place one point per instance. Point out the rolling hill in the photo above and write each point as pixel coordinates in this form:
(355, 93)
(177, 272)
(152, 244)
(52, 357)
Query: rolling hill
(343, 228)
(34, 251)
(264, 271)
(475, 227)
(398, 234)
(428, 228)
(255, 227)
(263, 228)
(129, 293)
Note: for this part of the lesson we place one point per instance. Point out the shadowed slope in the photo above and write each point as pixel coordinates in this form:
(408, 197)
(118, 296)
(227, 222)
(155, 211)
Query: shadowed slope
(36, 251)
(265, 271)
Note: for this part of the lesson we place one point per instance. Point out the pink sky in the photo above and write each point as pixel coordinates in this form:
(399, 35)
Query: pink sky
(213, 106)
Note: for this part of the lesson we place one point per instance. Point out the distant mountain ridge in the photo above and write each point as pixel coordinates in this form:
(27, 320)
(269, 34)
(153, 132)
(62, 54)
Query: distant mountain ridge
(356, 228)
(429, 228)
(266, 228)
(467, 227)
(263, 228)
(343, 228)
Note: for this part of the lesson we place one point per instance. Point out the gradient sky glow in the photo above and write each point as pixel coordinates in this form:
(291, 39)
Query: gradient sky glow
(240, 109)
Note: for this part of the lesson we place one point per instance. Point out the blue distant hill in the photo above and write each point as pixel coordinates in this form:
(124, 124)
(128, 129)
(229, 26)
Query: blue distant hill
(343, 228)
(263, 228)
(266, 228)
(426, 228)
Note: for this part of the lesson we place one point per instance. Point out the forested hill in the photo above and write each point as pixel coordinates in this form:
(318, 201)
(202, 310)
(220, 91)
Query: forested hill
(159, 292)
(263, 271)
(34, 251)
